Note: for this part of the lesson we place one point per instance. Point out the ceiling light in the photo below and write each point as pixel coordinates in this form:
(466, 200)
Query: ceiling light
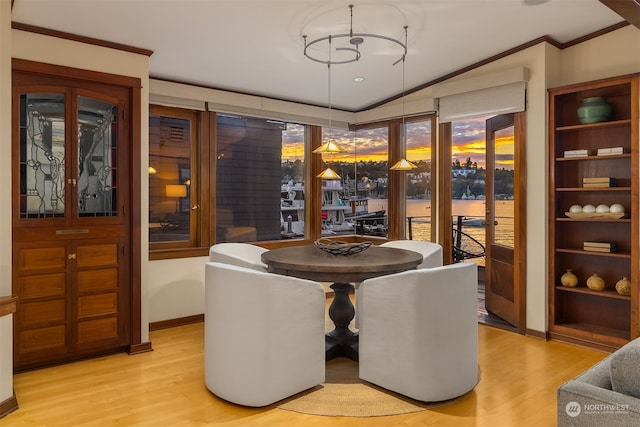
(355, 41)
(328, 148)
(403, 165)
(328, 173)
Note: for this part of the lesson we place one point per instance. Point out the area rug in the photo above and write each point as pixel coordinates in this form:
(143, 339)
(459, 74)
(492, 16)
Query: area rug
(343, 394)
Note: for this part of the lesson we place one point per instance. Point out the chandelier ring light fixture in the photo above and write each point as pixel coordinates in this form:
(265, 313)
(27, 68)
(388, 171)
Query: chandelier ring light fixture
(355, 39)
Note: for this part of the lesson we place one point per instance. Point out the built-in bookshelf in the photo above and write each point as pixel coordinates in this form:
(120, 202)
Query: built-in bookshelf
(594, 166)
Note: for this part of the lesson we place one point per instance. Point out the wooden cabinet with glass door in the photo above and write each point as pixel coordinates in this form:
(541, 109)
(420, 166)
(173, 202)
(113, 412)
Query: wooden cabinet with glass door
(594, 167)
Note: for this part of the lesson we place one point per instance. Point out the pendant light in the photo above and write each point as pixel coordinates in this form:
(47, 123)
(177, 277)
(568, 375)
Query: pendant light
(403, 164)
(330, 146)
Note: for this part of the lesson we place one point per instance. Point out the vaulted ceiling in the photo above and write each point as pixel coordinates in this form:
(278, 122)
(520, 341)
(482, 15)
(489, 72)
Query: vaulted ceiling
(256, 46)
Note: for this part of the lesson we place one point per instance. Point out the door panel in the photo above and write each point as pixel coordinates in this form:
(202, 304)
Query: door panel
(42, 312)
(502, 223)
(93, 280)
(51, 339)
(70, 227)
(43, 285)
(95, 331)
(38, 259)
(97, 255)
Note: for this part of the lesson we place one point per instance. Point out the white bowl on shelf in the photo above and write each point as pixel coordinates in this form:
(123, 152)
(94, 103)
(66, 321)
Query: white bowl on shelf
(616, 208)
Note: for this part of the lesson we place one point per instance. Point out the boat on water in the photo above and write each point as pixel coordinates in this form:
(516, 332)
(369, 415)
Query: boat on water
(341, 214)
(334, 209)
(470, 221)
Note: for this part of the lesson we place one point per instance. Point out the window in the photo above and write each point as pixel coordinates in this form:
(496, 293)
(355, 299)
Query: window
(364, 179)
(260, 193)
(218, 177)
(172, 144)
(418, 186)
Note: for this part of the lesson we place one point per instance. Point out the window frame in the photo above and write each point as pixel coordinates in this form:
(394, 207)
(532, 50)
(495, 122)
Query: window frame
(198, 243)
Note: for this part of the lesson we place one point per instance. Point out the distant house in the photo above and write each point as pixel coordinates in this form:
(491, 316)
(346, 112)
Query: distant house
(462, 172)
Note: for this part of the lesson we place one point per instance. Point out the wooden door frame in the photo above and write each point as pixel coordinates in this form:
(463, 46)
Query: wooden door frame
(134, 86)
(520, 186)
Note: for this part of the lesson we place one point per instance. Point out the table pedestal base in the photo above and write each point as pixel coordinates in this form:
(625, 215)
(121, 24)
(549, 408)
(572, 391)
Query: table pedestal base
(342, 341)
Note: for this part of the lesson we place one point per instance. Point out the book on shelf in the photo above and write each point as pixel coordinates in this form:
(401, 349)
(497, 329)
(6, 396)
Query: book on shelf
(599, 182)
(599, 246)
(577, 153)
(594, 249)
(610, 151)
(598, 179)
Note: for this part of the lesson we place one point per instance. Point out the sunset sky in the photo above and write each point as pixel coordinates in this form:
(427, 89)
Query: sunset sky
(372, 144)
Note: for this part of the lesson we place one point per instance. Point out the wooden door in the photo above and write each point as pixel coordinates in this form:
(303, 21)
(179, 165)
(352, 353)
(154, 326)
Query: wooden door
(71, 248)
(504, 224)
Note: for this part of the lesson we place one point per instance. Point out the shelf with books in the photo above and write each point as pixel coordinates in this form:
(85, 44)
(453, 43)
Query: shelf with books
(589, 243)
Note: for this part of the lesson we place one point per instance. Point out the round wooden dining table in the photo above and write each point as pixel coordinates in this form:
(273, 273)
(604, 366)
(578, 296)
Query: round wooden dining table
(310, 262)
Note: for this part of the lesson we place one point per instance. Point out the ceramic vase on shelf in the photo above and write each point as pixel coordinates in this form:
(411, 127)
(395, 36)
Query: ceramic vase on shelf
(623, 286)
(594, 110)
(569, 279)
(595, 282)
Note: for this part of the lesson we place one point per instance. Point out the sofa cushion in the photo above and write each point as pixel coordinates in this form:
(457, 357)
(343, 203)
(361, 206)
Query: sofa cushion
(625, 370)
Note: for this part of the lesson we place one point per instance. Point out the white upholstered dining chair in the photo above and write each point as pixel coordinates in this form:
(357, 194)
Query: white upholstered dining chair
(431, 257)
(431, 252)
(419, 332)
(264, 334)
(240, 254)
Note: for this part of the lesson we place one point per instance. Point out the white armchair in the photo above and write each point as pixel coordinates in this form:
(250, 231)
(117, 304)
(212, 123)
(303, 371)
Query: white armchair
(240, 254)
(264, 334)
(431, 257)
(419, 332)
(431, 252)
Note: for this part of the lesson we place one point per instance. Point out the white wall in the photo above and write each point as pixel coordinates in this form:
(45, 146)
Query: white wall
(6, 322)
(176, 288)
(613, 54)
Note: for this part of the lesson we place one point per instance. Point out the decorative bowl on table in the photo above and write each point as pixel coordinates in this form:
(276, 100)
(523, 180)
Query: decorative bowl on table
(336, 247)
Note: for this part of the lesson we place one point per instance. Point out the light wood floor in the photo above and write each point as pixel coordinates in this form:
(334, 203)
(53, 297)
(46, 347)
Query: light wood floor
(165, 387)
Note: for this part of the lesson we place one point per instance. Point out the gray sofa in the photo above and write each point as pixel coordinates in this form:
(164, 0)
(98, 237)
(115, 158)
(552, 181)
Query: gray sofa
(608, 394)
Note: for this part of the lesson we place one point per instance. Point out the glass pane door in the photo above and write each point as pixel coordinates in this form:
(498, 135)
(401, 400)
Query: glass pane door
(42, 155)
(503, 231)
(97, 154)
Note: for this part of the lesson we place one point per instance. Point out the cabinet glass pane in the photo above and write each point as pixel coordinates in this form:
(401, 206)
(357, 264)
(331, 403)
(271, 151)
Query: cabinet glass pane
(42, 154)
(97, 154)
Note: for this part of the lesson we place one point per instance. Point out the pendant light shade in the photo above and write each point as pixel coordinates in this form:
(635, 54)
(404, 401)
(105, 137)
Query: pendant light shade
(329, 147)
(403, 165)
(328, 173)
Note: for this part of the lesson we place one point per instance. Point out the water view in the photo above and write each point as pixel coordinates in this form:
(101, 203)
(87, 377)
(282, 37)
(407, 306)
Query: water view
(472, 213)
